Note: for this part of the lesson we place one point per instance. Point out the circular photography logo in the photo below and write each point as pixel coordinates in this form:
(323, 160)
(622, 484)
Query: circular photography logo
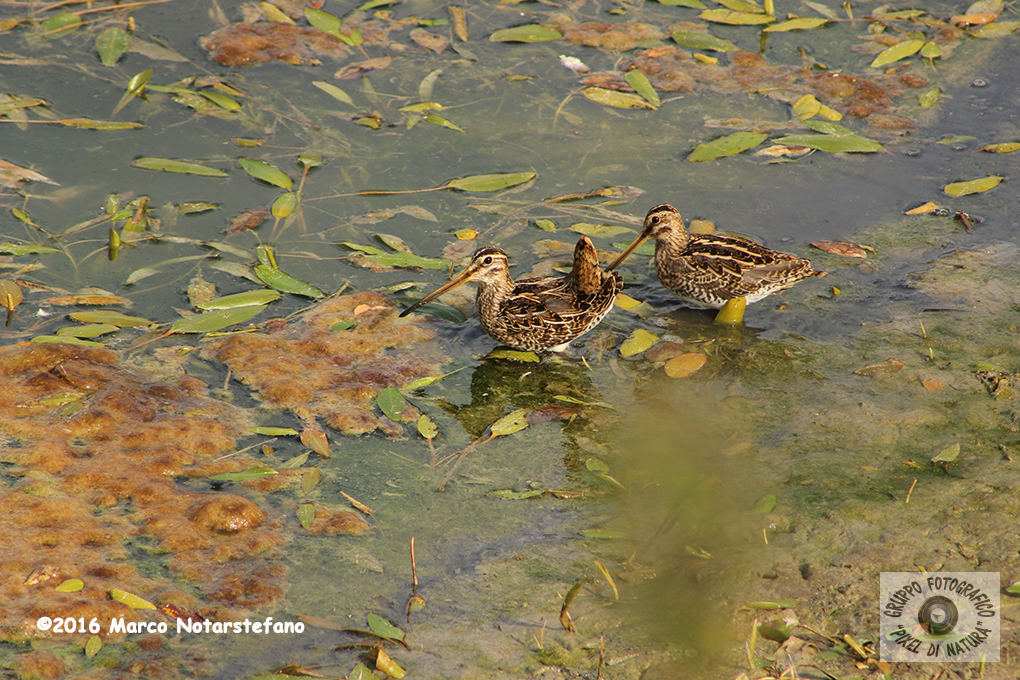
(940, 617)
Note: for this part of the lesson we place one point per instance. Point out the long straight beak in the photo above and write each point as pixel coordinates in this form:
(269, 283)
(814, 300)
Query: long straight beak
(630, 249)
(464, 276)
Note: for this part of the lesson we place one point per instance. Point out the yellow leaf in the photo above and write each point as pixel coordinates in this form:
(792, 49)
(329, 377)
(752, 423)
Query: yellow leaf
(637, 342)
(71, 585)
(130, 599)
(685, 365)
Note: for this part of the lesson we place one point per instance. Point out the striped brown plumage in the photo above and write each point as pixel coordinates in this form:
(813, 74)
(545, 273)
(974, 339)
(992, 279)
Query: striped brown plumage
(541, 313)
(707, 270)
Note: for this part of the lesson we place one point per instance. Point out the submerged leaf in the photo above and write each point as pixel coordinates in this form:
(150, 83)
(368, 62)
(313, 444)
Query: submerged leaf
(384, 628)
(639, 81)
(244, 475)
(112, 44)
(111, 317)
(685, 365)
(833, 143)
(334, 91)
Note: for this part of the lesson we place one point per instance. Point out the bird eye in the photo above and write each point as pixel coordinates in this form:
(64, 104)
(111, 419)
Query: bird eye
(656, 219)
(487, 260)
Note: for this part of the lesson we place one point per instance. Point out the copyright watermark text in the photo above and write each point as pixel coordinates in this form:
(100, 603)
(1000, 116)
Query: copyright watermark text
(69, 625)
(939, 616)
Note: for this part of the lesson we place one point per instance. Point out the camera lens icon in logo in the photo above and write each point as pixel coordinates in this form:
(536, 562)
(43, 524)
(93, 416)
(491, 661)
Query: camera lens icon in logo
(938, 615)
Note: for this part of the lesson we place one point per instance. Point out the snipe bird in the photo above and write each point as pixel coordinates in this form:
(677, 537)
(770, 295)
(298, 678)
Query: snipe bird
(709, 270)
(541, 313)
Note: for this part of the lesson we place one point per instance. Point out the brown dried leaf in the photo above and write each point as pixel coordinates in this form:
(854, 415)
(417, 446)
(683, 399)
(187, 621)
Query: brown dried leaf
(360, 68)
(13, 176)
(459, 22)
(316, 441)
(933, 384)
(248, 220)
(430, 41)
(840, 248)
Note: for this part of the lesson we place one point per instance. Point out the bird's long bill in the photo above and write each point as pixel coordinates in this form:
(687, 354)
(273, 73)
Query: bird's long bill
(464, 276)
(630, 249)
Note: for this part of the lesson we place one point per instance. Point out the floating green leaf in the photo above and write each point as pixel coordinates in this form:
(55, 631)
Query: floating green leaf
(514, 421)
(545, 225)
(730, 145)
(802, 24)
(245, 299)
(973, 186)
(697, 40)
(169, 165)
(693, 4)
(530, 33)
(221, 100)
(639, 81)
(112, 44)
(1005, 147)
(489, 182)
(195, 207)
(324, 21)
(384, 628)
(727, 16)
(896, 52)
(27, 249)
(266, 172)
(833, 143)
(89, 124)
(995, 29)
(638, 342)
(244, 475)
(620, 100)
(111, 317)
(1014, 589)
(427, 427)
(370, 250)
(599, 230)
(214, 321)
(92, 330)
(391, 403)
(441, 122)
(284, 206)
(281, 281)
(806, 107)
(306, 514)
(334, 91)
(274, 431)
(344, 325)
(408, 260)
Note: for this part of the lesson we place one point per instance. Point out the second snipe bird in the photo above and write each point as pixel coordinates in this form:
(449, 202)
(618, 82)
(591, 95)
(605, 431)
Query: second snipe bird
(541, 313)
(709, 270)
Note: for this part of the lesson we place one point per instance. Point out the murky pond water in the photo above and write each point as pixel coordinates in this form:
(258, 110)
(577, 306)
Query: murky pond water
(795, 466)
